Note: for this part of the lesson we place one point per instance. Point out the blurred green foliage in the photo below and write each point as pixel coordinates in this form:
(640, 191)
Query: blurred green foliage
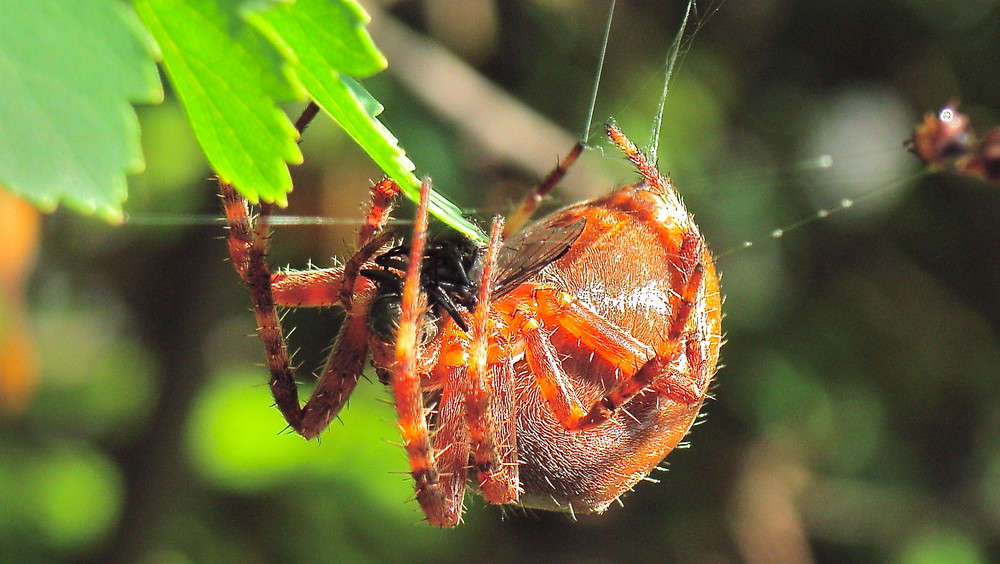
(857, 418)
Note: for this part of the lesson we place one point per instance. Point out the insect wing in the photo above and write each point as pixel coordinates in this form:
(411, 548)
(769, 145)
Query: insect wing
(525, 254)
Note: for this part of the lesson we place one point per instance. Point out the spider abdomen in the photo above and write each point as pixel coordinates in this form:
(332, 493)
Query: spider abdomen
(625, 268)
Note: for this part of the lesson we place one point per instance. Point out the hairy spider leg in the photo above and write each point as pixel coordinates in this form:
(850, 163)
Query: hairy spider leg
(656, 372)
(519, 217)
(384, 193)
(549, 307)
(247, 253)
(315, 288)
(688, 272)
(638, 365)
(405, 378)
(451, 449)
(489, 408)
(475, 416)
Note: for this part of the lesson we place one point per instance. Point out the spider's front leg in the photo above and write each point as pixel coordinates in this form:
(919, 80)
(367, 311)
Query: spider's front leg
(317, 288)
(405, 376)
(247, 243)
(489, 396)
(468, 422)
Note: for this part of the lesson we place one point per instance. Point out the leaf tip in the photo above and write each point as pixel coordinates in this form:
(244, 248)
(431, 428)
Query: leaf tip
(111, 214)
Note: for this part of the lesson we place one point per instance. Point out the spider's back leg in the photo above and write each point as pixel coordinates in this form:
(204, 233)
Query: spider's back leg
(518, 218)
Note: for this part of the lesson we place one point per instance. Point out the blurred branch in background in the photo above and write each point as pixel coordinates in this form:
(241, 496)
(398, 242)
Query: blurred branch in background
(504, 126)
(767, 525)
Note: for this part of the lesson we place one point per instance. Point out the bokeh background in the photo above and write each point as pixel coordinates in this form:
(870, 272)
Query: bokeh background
(857, 418)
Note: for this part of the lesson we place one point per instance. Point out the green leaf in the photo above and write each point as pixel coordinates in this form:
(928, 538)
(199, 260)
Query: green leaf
(69, 71)
(334, 27)
(328, 42)
(67, 130)
(229, 79)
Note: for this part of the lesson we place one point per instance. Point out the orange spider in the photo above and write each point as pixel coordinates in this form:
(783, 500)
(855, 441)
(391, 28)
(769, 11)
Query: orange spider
(552, 369)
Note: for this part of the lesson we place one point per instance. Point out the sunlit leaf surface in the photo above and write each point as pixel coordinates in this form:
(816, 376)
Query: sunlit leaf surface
(69, 72)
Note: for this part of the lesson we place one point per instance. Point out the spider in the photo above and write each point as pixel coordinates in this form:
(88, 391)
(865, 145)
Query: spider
(553, 368)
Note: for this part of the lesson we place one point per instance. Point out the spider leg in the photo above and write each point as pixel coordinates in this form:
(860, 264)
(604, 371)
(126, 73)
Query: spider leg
(646, 168)
(451, 448)
(489, 397)
(406, 380)
(246, 247)
(683, 388)
(595, 332)
(319, 288)
(553, 382)
(384, 193)
(339, 377)
(638, 365)
(307, 288)
(592, 331)
(517, 219)
(324, 287)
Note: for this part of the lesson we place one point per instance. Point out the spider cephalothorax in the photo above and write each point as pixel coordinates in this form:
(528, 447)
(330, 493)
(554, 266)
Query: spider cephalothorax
(449, 275)
(552, 369)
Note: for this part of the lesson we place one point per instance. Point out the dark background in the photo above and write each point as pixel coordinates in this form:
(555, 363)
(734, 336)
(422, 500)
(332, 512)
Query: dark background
(856, 419)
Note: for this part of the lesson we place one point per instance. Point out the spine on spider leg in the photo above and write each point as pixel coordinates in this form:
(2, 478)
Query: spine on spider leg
(247, 252)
